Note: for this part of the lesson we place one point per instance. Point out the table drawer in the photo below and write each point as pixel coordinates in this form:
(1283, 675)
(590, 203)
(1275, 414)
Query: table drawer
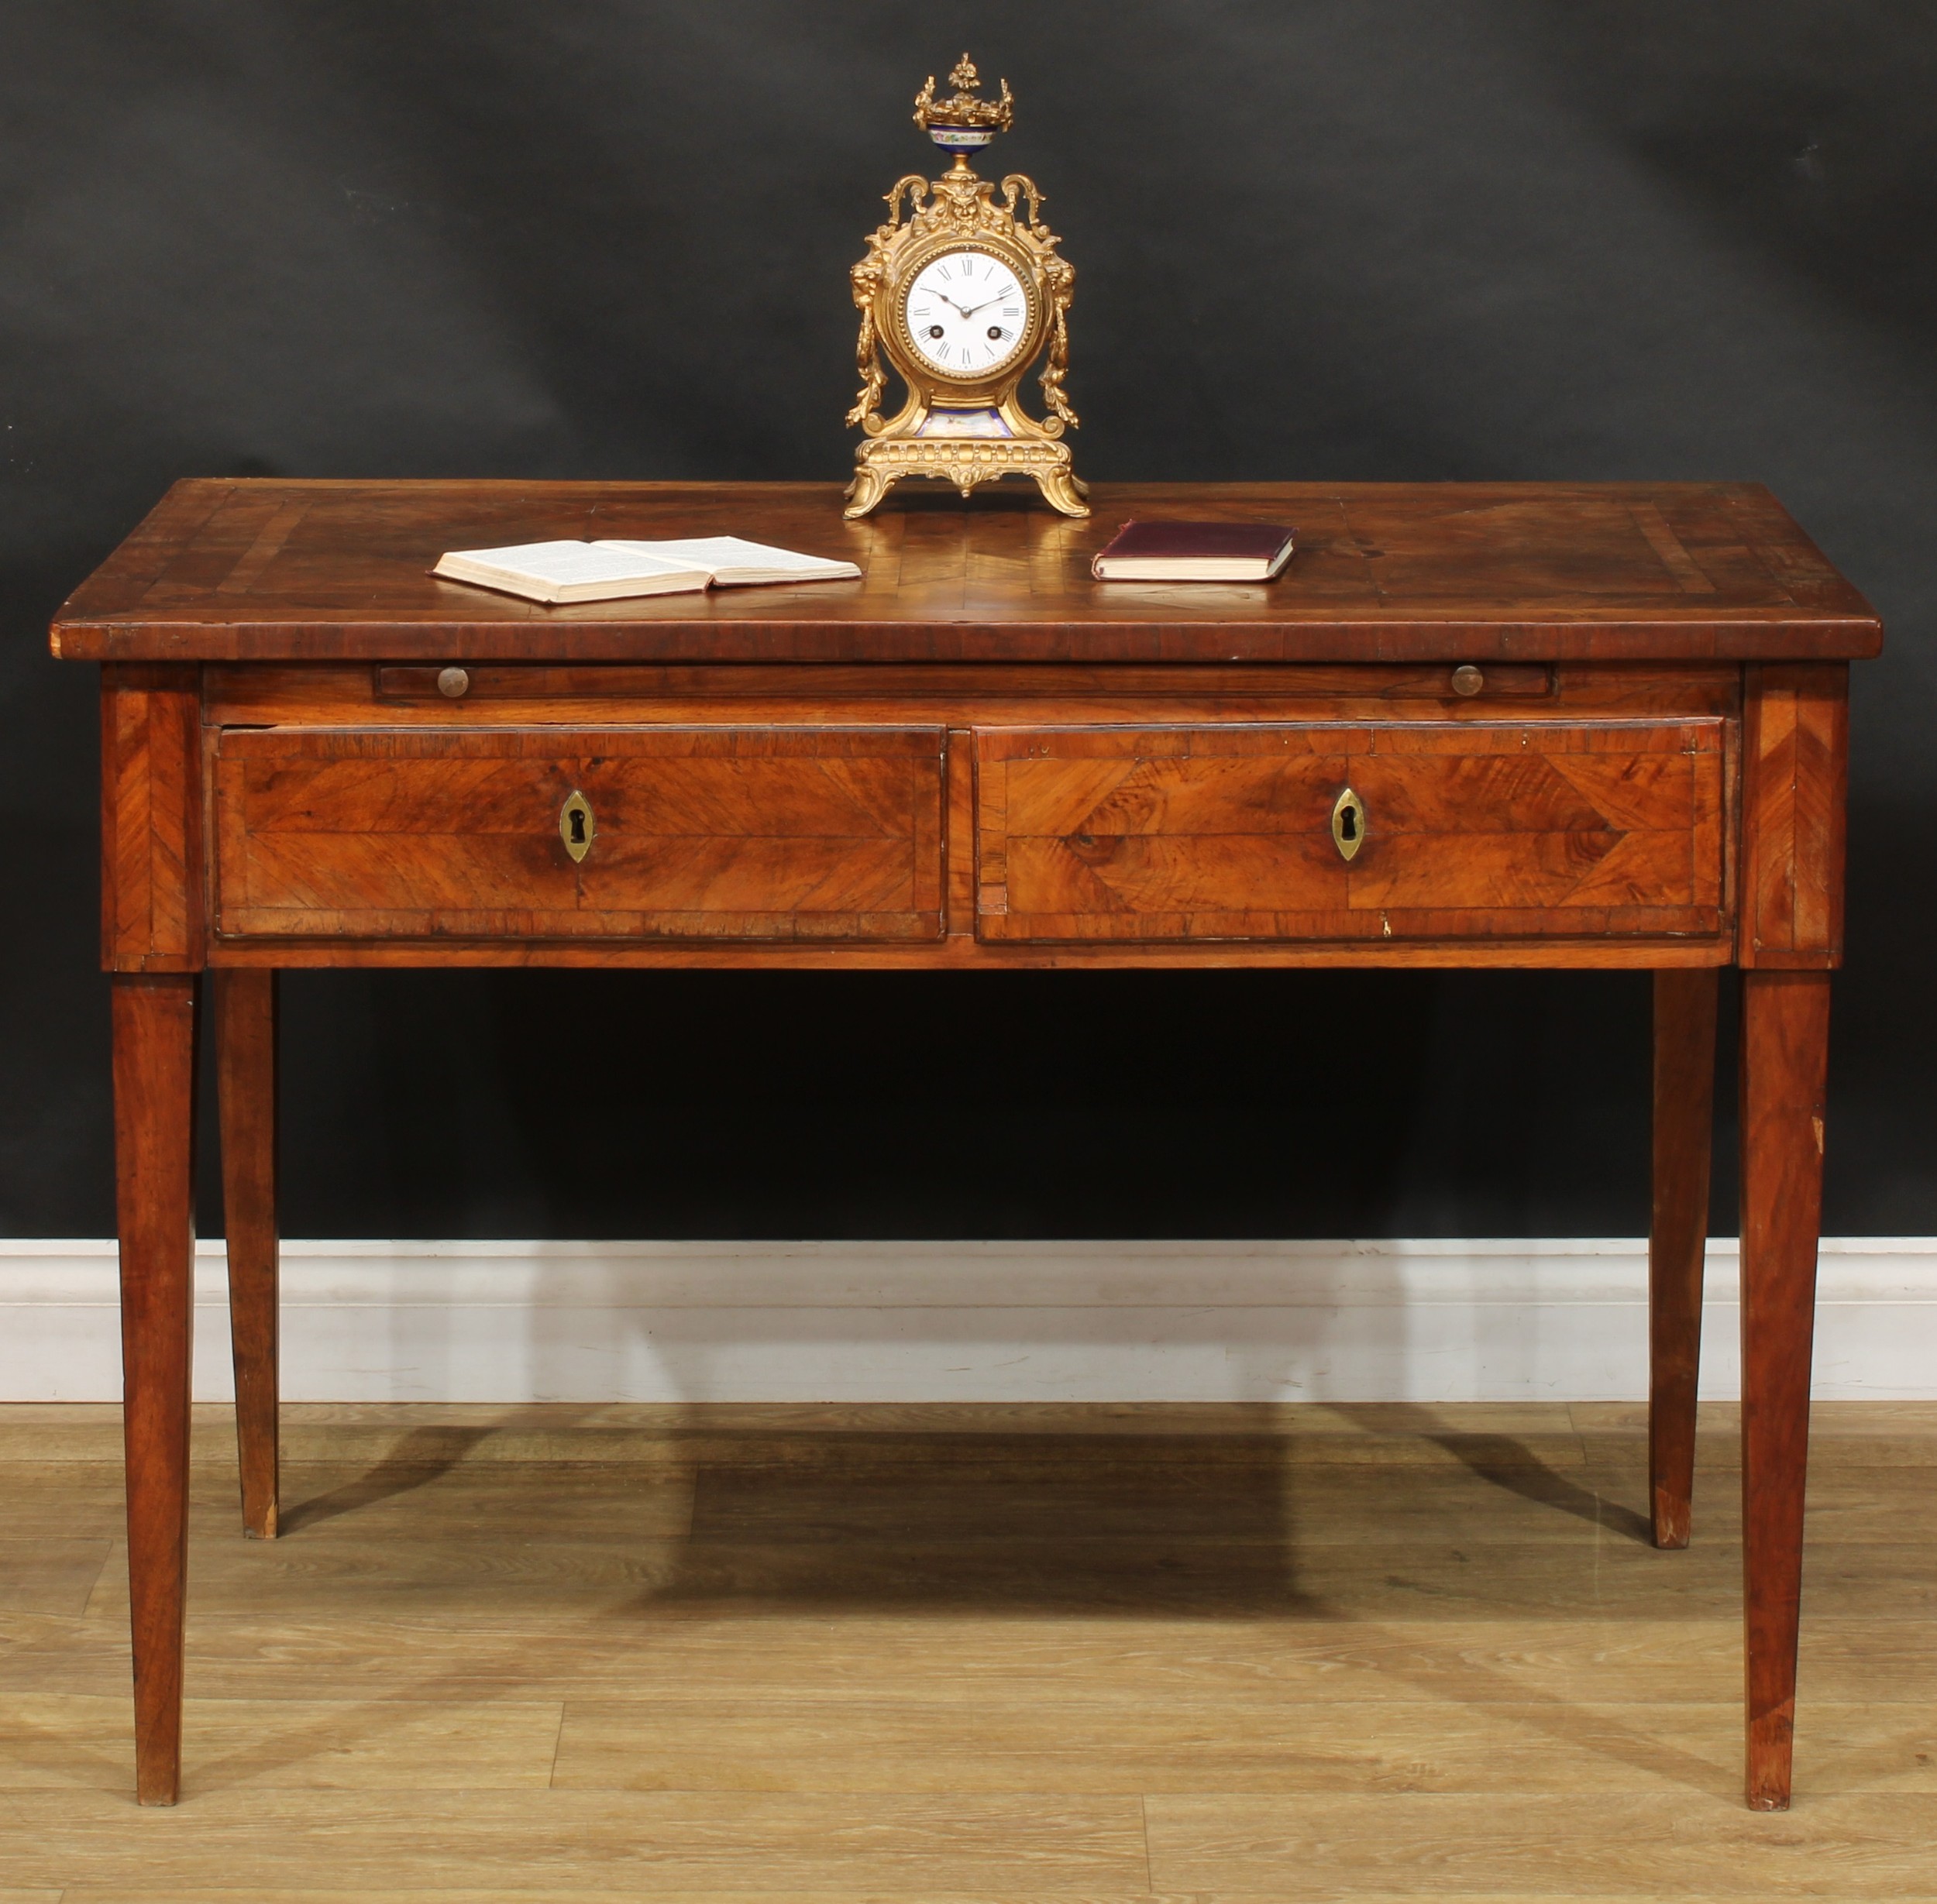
(1464, 829)
(749, 832)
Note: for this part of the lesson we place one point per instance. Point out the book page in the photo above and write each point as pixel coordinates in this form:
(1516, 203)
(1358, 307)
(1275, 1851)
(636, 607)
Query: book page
(565, 564)
(723, 554)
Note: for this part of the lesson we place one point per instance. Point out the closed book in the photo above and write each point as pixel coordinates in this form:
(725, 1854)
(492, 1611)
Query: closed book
(1194, 551)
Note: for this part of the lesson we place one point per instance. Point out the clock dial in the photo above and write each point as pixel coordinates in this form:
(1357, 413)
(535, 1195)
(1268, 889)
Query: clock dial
(967, 314)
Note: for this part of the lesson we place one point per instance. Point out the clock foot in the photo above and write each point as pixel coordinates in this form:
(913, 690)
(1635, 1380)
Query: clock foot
(1062, 489)
(868, 486)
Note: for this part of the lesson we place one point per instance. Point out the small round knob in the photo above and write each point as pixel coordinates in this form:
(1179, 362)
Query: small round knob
(1467, 680)
(454, 683)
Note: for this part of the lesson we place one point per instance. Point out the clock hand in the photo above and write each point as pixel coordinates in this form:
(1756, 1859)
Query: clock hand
(987, 301)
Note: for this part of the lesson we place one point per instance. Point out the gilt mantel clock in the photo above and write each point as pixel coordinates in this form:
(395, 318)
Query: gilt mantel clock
(962, 293)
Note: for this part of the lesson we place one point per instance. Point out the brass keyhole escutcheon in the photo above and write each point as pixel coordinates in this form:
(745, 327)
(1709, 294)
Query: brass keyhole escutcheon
(1348, 824)
(575, 825)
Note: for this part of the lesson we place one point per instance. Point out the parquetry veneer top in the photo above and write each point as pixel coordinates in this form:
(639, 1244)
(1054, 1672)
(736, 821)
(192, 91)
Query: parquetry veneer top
(268, 570)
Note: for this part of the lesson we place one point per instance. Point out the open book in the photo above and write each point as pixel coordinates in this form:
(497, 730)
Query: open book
(606, 572)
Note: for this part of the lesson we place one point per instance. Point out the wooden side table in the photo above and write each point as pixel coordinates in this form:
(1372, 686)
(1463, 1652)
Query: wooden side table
(1505, 724)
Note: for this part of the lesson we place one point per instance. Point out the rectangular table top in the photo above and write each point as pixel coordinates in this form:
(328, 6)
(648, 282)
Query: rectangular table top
(255, 569)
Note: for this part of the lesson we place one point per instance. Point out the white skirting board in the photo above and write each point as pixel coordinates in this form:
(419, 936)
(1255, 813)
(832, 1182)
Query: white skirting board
(1415, 1320)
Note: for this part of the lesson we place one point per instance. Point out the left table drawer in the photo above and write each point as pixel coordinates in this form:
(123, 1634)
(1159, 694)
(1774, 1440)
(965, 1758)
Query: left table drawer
(748, 832)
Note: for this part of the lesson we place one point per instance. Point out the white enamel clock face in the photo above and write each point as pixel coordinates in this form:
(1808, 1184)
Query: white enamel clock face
(967, 313)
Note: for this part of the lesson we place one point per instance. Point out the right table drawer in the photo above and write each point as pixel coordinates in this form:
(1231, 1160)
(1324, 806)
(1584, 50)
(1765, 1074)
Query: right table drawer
(1451, 830)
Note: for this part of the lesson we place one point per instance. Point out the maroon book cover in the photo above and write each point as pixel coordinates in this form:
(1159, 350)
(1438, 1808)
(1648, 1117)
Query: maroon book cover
(1236, 550)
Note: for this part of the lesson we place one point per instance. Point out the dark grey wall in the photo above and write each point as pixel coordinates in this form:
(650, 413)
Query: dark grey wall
(1340, 239)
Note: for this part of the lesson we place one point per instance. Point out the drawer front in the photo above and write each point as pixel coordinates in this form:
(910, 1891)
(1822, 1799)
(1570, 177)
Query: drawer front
(761, 833)
(1471, 829)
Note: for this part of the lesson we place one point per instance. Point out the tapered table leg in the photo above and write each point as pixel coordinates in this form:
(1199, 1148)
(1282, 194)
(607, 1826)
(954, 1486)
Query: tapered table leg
(245, 1013)
(1684, 1070)
(1785, 1033)
(154, 1067)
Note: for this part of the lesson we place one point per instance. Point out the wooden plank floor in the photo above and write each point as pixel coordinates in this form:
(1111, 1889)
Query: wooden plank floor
(740, 1655)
